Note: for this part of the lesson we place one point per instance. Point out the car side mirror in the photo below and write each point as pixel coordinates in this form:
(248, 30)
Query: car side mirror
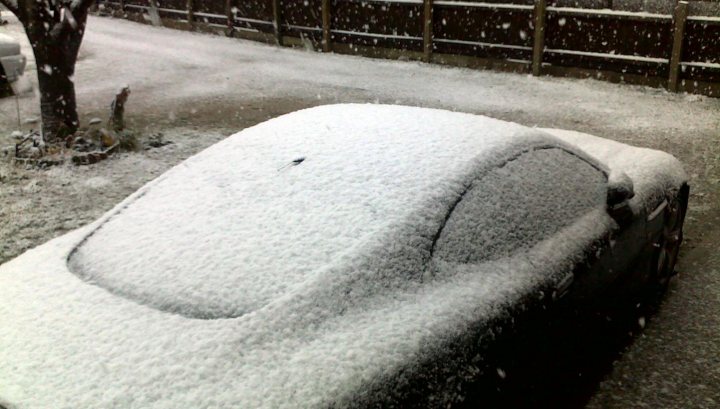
(619, 192)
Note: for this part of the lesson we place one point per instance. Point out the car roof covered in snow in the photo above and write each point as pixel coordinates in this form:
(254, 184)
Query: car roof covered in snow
(354, 328)
(261, 213)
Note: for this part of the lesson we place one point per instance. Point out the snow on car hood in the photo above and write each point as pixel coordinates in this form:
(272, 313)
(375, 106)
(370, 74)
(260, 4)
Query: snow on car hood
(242, 224)
(349, 333)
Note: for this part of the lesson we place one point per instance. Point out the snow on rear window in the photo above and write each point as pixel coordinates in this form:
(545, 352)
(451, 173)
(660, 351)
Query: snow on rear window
(516, 206)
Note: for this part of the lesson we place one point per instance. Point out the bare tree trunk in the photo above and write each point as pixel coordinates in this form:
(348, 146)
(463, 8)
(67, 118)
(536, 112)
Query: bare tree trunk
(56, 46)
(57, 99)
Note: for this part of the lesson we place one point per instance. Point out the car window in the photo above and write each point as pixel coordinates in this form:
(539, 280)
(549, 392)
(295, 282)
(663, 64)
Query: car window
(515, 206)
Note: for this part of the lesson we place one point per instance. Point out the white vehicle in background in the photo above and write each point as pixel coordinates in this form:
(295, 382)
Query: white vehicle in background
(12, 61)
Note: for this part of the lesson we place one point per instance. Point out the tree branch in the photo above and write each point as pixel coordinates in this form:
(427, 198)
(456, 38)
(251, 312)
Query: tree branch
(11, 5)
(66, 23)
(79, 5)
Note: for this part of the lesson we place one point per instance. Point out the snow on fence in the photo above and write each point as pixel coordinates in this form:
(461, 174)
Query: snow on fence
(676, 51)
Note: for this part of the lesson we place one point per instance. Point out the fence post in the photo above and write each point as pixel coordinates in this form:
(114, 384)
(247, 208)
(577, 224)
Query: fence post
(230, 18)
(679, 18)
(276, 21)
(154, 14)
(539, 36)
(191, 12)
(427, 30)
(326, 26)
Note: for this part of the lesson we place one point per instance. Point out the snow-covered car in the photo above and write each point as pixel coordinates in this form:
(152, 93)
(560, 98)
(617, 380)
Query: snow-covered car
(12, 61)
(339, 256)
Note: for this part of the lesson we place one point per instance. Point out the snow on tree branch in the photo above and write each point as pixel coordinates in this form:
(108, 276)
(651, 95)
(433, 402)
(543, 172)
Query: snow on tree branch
(67, 16)
(66, 20)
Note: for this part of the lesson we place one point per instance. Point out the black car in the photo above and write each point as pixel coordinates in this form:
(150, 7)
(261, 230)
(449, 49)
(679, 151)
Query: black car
(339, 256)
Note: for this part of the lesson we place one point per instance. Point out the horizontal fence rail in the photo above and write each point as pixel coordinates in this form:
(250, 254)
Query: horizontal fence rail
(678, 51)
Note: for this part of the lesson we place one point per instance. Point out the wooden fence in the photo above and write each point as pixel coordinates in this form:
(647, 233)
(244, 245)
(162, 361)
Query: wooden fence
(679, 52)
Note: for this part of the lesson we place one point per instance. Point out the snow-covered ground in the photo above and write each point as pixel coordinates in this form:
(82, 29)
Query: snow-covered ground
(196, 88)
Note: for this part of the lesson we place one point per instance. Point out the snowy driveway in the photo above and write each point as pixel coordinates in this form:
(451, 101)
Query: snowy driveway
(168, 68)
(196, 88)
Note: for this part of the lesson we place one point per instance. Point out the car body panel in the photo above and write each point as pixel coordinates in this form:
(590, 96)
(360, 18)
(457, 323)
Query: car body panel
(11, 59)
(367, 330)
